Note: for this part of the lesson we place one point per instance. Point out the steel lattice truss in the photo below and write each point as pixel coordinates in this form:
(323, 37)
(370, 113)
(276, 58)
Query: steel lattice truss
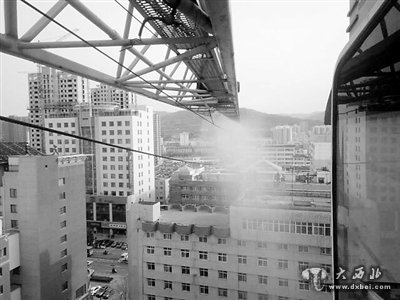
(175, 51)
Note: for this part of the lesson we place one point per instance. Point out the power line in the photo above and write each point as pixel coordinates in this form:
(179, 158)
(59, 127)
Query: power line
(5, 119)
(115, 61)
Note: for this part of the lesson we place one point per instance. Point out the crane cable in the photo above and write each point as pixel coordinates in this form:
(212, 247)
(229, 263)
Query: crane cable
(27, 124)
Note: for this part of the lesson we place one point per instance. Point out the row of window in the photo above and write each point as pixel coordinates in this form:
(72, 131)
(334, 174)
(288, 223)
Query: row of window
(308, 228)
(241, 243)
(62, 142)
(118, 123)
(222, 292)
(118, 132)
(66, 125)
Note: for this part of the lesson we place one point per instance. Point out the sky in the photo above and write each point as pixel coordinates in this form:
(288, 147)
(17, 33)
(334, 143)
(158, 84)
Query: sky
(285, 53)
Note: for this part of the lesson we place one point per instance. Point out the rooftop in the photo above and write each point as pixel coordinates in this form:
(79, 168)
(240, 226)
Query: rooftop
(196, 218)
(10, 149)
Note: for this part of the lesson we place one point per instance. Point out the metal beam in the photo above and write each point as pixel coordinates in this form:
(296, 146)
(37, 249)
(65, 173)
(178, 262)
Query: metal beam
(170, 61)
(43, 21)
(10, 18)
(117, 42)
(79, 6)
(9, 46)
(220, 18)
(127, 28)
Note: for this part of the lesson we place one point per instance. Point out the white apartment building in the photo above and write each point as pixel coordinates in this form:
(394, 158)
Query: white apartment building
(9, 262)
(44, 200)
(157, 137)
(52, 91)
(117, 172)
(105, 95)
(287, 156)
(120, 172)
(251, 252)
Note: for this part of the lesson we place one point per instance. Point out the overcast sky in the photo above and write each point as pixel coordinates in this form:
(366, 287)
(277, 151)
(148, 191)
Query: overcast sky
(285, 54)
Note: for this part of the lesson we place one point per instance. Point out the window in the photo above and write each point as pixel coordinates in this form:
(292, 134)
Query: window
(63, 253)
(241, 243)
(151, 282)
(262, 297)
(262, 279)
(203, 289)
(62, 195)
(282, 264)
(304, 285)
(242, 295)
(242, 259)
(168, 268)
(222, 241)
(327, 267)
(64, 267)
(203, 272)
(13, 208)
(63, 224)
(283, 298)
(262, 261)
(222, 257)
(167, 285)
(303, 249)
(64, 286)
(325, 251)
(222, 274)
(14, 223)
(151, 266)
(185, 253)
(262, 244)
(150, 249)
(222, 292)
(283, 282)
(63, 210)
(63, 238)
(186, 287)
(202, 239)
(150, 235)
(167, 251)
(282, 246)
(203, 255)
(185, 270)
(61, 181)
(242, 276)
(184, 237)
(13, 193)
(151, 297)
(167, 236)
(303, 265)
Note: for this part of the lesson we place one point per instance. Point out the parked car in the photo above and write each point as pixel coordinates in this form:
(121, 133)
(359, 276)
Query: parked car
(124, 247)
(119, 245)
(94, 289)
(101, 292)
(114, 244)
(109, 243)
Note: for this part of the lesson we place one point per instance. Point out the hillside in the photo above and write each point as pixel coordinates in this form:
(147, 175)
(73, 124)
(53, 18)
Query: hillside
(174, 123)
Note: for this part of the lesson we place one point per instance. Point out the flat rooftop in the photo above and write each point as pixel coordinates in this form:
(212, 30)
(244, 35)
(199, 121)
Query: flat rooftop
(195, 218)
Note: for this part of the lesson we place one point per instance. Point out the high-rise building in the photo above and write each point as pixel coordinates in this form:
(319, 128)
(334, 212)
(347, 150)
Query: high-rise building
(157, 137)
(52, 91)
(321, 134)
(106, 95)
(254, 251)
(366, 147)
(44, 199)
(184, 139)
(282, 134)
(14, 133)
